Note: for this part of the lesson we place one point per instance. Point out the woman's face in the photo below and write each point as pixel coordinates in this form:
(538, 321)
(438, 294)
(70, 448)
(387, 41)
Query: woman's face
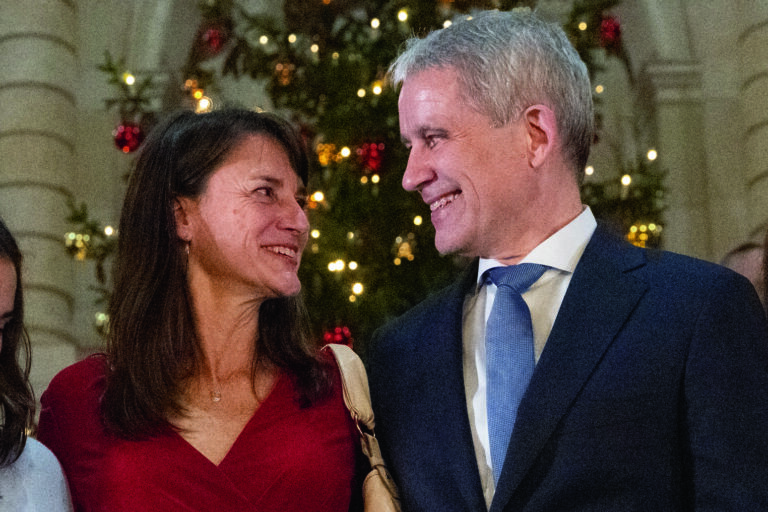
(248, 228)
(7, 294)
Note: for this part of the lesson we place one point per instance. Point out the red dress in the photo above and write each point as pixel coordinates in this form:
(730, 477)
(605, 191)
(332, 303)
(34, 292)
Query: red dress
(285, 459)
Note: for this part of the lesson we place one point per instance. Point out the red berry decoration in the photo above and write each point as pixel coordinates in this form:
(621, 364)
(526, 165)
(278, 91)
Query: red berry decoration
(610, 34)
(341, 335)
(213, 37)
(128, 136)
(371, 154)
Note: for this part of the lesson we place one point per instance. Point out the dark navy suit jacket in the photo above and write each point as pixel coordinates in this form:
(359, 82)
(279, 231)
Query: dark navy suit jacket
(651, 394)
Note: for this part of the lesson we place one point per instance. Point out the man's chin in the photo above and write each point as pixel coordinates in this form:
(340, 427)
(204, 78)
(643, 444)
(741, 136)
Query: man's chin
(449, 247)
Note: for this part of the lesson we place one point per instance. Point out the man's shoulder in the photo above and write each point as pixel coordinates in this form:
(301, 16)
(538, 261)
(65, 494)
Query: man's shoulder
(438, 315)
(612, 270)
(653, 265)
(678, 268)
(439, 300)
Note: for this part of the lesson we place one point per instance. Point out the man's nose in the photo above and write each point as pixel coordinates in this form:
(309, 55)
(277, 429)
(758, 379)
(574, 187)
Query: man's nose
(418, 171)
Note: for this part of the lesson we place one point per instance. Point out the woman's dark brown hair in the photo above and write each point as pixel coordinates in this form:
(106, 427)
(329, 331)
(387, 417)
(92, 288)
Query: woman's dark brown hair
(17, 402)
(152, 346)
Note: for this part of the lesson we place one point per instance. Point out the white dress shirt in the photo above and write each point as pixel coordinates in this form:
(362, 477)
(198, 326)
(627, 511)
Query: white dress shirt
(561, 252)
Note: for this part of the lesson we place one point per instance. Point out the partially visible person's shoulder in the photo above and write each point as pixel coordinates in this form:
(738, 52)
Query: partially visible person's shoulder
(40, 463)
(35, 481)
(35, 451)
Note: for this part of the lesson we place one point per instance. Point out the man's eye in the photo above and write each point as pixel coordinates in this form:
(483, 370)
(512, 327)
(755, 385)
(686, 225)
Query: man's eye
(265, 191)
(431, 140)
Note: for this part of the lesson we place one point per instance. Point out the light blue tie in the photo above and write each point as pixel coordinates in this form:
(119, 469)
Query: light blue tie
(509, 353)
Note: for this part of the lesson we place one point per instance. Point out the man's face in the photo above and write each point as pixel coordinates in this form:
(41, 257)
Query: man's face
(475, 177)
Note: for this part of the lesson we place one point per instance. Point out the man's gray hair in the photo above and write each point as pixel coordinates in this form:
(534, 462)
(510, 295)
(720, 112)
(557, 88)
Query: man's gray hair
(506, 62)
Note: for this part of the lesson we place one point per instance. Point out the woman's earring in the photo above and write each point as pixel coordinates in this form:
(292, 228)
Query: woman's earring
(186, 248)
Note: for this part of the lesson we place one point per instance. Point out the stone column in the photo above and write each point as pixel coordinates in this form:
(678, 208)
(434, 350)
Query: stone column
(753, 48)
(676, 89)
(38, 119)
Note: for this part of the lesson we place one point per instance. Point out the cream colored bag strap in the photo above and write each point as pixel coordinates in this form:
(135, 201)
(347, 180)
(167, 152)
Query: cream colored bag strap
(357, 398)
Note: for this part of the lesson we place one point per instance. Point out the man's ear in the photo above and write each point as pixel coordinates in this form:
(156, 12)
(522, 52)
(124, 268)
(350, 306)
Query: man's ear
(182, 206)
(541, 133)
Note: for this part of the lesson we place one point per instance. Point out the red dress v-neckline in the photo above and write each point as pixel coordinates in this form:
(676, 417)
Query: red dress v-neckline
(282, 381)
(286, 459)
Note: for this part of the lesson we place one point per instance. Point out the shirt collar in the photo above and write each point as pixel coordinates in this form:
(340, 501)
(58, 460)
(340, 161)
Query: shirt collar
(561, 251)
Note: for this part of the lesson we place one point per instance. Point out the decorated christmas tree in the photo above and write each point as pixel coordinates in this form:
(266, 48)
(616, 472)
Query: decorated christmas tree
(371, 253)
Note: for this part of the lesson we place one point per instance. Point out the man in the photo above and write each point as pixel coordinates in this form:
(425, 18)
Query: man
(650, 384)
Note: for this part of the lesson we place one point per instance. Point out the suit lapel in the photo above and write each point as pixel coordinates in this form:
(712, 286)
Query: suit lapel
(451, 421)
(600, 297)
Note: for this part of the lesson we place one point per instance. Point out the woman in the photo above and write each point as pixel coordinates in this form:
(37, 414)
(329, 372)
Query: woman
(211, 395)
(30, 476)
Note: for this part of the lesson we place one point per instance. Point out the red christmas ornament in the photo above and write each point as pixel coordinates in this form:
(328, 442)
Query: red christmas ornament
(340, 335)
(212, 36)
(128, 136)
(610, 34)
(370, 155)
(215, 38)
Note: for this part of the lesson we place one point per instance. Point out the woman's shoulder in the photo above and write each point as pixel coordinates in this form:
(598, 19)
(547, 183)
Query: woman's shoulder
(70, 412)
(82, 375)
(76, 388)
(328, 358)
(344, 371)
(336, 355)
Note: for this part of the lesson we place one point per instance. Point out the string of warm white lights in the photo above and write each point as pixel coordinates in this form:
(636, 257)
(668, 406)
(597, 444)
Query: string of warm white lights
(323, 64)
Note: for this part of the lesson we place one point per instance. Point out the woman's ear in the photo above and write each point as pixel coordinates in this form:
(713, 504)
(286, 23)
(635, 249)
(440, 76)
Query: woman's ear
(182, 208)
(541, 133)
